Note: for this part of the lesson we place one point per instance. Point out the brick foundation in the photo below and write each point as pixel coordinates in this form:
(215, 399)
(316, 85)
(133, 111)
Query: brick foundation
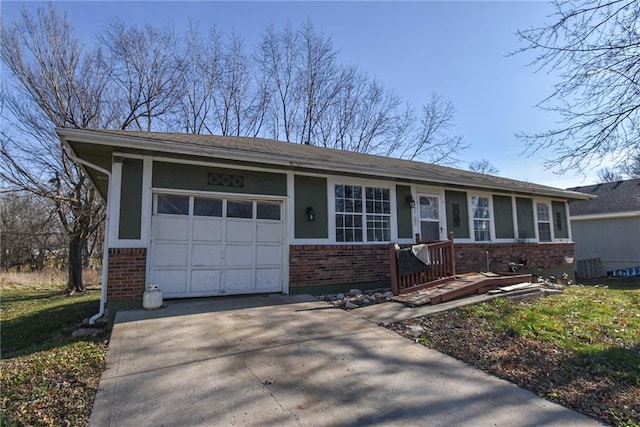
(127, 273)
(318, 265)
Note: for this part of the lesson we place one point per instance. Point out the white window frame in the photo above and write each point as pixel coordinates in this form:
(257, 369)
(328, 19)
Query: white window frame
(332, 181)
(546, 202)
(471, 219)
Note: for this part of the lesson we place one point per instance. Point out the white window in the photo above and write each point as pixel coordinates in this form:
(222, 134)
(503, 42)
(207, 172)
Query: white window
(544, 222)
(362, 215)
(481, 219)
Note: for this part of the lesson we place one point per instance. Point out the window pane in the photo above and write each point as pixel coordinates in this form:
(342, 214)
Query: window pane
(480, 207)
(543, 211)
(429, 207)
(207, 207)
(481, 230)
(237, 209)
(174, 205)
(268, 211)
(378, 228)
(544, 231)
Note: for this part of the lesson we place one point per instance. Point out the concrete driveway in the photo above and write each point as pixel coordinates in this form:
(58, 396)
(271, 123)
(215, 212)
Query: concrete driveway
(292, 360)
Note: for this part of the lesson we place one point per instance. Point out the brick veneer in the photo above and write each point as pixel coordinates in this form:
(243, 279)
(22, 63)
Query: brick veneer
(311, 265)
(472, 257)
(127, 273)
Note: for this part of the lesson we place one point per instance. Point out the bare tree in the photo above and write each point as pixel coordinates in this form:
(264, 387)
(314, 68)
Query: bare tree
(594, 46)
(431, 139)
(145, 72)
(632, 167)
(54, 85)
(483, 166)
(198, 75)
(30, 231)
(608, 175)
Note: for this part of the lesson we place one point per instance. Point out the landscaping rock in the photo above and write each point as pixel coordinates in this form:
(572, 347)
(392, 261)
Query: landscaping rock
(388, 294)
(415, 331)
(85, 332)
(349, 305)
(354, 292)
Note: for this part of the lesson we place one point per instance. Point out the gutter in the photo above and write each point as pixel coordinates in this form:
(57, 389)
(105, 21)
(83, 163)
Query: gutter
(105, 250)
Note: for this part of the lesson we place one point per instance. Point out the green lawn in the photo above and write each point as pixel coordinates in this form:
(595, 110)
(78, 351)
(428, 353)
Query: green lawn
(48, 377)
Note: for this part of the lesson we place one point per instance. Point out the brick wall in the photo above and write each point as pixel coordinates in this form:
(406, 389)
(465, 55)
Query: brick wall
(312, 265)
(127, 273)
(472, 257)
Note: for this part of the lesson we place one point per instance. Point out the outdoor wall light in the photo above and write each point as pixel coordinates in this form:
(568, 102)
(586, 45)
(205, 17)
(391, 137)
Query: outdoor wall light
(311, 215)
(411, 202)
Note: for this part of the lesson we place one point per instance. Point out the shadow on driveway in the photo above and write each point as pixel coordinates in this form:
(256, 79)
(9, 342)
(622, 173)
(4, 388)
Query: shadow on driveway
(287, 360)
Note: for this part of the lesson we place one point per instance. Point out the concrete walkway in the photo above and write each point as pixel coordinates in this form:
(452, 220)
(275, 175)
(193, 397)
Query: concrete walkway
(292, 360)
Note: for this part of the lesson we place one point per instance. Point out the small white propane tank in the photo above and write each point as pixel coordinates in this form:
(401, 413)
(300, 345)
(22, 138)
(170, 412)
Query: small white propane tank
(152, 298)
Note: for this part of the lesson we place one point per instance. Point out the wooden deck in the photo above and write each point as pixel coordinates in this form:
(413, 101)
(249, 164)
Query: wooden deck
(458, 286)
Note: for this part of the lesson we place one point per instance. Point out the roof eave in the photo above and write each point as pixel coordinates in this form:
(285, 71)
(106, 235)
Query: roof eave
(185, 148)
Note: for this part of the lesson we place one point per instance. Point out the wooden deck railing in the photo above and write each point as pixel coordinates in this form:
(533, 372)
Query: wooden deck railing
(442, 268)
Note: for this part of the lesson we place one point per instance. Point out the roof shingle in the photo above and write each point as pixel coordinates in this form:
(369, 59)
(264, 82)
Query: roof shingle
(612, 197)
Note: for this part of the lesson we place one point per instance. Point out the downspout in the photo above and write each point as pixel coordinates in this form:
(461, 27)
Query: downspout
(105, 249)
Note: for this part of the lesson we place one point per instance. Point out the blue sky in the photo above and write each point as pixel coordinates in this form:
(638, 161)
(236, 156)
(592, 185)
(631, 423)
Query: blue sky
(458, 49)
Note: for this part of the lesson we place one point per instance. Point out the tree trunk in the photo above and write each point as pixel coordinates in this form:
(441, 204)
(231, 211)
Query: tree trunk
(74, 283)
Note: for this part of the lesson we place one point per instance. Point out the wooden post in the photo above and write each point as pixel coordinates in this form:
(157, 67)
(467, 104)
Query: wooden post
(452, 254)
(393, 268)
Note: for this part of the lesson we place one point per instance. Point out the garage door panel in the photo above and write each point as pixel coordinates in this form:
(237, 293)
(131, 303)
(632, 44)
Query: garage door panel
(268, 255)
(205, 281)
(268, 278)
(206, 255)
(171, 228)
(239, 231)
(238, 255)
(200, 252)
(171, 281)
(269, 232)
(238, 279)
(207, 230)
(170, 255)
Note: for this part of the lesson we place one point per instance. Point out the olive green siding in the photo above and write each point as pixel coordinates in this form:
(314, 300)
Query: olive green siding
(405, 230)
(193, 177)
(503, 212)
(130, 199)
(560, 226)
(457, 213)
(310, 191)
(524, 212)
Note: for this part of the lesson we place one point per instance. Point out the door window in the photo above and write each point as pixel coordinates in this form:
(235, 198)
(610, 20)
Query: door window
(429, 218)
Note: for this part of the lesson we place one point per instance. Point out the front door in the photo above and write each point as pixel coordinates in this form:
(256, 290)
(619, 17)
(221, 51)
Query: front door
(429, 217)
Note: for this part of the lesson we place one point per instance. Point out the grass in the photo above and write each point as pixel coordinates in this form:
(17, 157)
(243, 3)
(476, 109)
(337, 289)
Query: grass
(580, 348)
(48, 377)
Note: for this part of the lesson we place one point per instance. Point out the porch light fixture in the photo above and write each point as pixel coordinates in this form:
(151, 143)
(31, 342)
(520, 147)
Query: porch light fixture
(311, 215)
(410, 202)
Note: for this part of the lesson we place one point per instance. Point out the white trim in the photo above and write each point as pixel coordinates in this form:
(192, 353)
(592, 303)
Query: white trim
(605, 216)
(114, 193)
(147, 200)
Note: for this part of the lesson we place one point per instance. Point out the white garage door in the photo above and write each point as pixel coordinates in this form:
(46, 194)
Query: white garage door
(205, 246)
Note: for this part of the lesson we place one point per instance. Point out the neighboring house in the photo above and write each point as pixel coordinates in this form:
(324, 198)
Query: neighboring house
(607, 228)
(212, 215)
